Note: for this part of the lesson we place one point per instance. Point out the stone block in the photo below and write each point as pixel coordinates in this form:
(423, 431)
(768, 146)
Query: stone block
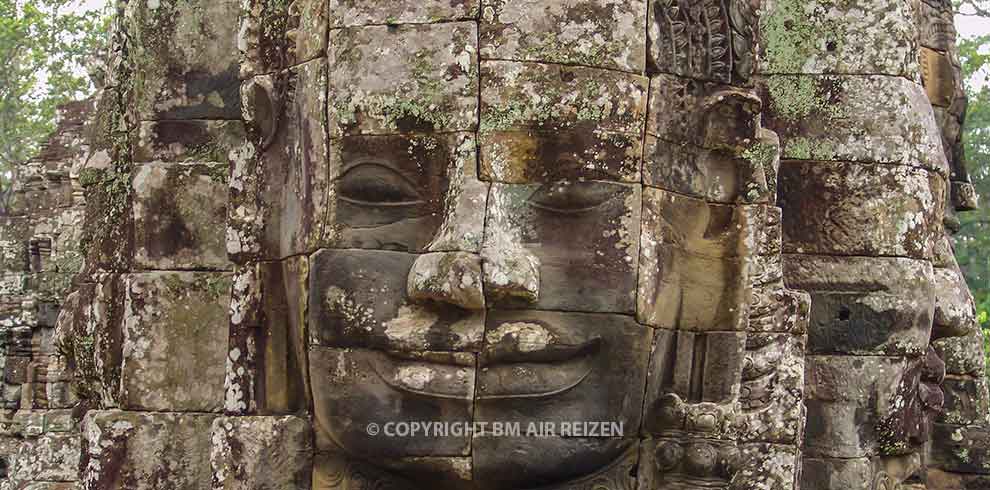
(936, 25)
(767, 467)
(834, 473)
(865, 305)
(567, 246)
(966, 401)
(350, 13)
(38, 195)
(48, 485)
(955, 313)
(710, 175)
(335, 470)
(442, 277)
(867, 119)
(361, 298)
(353, 388)
(706, 40)
(541, 366)
(852, 209)
(294, 162)
(273, 453)
(514, 462)
(15, 370)
(431, 470)
(280, 343)
(678, 462)
(51, 457)
(179, 214)
(847, 399)
(962, 355)
(89, 333)
(692, 368)
(595, 33)
(278, 35)
(407, 193)
(961, 449)
(588, 121)
(109, 223)
(959, 481)
(146, 451)
(772, 389)
(704, 115)
(692, 272)
(964, 195)
(246, 296)
(183, 140)
(839, 37)
(184, 58)
(307, 32)
(14, 236)
(938, 77)
(776, 310)
(247, 317)
(408, 78)
(175, 341)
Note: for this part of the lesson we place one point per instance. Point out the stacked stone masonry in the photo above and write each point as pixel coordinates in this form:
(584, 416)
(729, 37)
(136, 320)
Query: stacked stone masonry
(721, 225)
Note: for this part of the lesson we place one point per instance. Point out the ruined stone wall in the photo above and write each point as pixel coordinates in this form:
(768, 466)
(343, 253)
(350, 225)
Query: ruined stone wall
(40, 243)
(240, 295)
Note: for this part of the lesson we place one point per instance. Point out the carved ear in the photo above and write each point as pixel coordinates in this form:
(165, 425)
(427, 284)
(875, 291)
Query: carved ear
(261, 109)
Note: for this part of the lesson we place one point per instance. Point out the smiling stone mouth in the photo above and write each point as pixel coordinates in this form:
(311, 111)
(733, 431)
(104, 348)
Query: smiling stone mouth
(519, 360)
(532, 380)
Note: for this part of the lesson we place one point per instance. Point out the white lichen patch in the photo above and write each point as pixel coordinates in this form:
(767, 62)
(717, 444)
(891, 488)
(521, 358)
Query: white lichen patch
(527, 337)
(415, 376)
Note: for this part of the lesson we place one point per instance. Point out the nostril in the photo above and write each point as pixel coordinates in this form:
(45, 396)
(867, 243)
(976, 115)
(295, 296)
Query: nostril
(447, 277)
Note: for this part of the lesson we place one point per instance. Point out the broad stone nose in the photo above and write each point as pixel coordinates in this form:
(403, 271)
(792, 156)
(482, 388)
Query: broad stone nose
(448, 277)
(511, 273)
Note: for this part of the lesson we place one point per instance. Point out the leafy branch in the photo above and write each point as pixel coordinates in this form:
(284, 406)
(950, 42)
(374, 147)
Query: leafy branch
(45, 47)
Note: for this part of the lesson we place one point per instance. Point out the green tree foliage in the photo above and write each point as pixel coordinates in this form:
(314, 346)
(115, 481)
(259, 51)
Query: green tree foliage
(47, 50)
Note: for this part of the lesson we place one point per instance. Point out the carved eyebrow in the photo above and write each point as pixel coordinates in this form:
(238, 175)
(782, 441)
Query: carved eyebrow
(410, 187)
(570, 197)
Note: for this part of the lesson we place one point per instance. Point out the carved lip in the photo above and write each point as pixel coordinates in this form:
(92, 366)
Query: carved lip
(519, 360)
(532, 380)
(448, 375)
(525, 359)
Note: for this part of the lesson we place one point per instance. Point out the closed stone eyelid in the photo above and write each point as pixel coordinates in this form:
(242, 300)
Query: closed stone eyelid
(405, 185)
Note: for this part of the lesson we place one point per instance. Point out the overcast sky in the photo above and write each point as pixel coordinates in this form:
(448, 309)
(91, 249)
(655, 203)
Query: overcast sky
(972, 26)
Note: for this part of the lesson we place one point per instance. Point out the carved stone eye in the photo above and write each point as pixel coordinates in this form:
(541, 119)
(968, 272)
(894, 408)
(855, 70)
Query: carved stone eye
(571, 197)
(374, 184)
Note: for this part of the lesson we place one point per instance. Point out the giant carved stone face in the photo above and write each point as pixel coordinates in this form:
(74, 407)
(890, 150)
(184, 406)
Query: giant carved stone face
(457, 295)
